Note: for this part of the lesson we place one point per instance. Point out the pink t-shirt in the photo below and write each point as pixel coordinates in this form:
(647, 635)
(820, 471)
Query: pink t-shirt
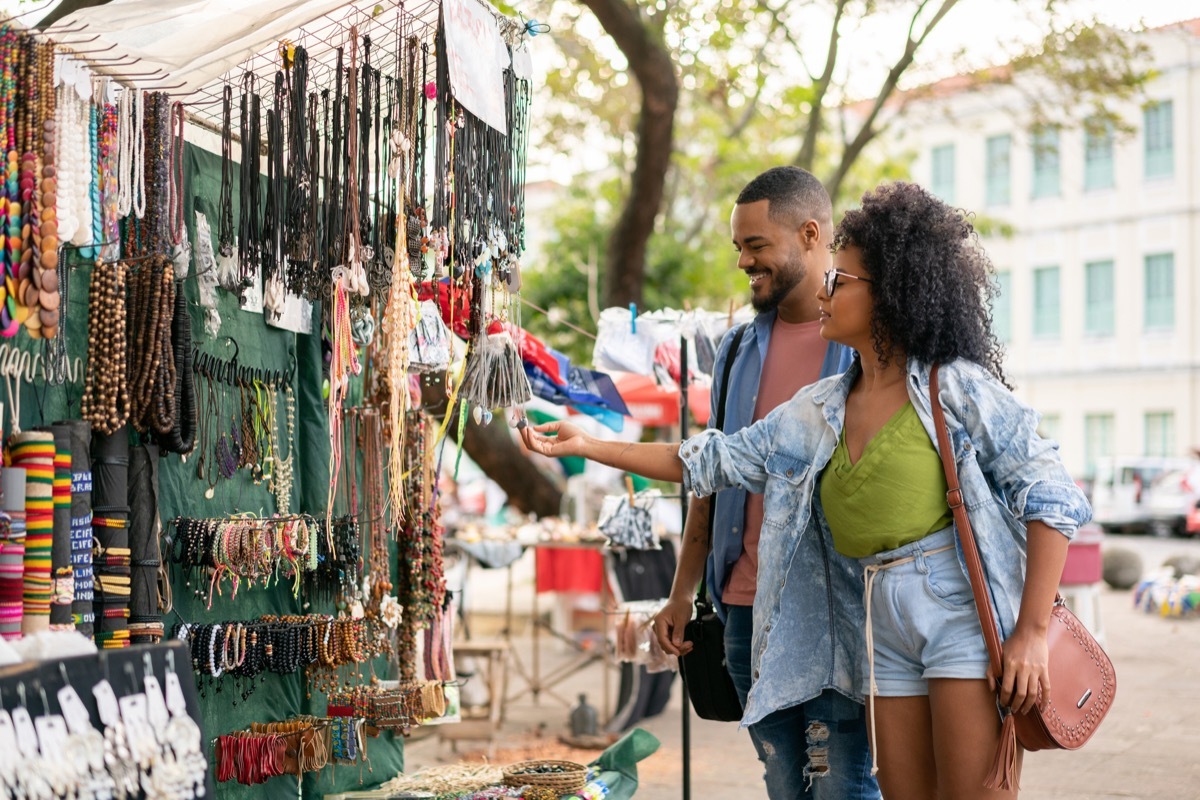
(794, 357)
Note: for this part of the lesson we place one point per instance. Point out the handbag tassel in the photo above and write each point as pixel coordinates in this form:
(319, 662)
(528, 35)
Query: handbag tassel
(1003, 775)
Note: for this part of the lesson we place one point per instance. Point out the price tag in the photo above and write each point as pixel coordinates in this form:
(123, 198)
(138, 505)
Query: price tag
(26, 735)
(137, 724)
(8, 735)
(106, 702)
(175, 699)
(156, 708)
(52, 737)
(79, 721)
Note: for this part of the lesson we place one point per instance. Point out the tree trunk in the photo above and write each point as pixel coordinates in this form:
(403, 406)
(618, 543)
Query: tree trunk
(502, 459)
(654, 70)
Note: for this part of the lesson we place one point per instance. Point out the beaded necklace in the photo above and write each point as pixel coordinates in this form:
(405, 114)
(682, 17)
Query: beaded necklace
(95, 179)
(281, 467)
(152, 379)
(138, 154)
(9, 314)
(105, 402)
(109, 172)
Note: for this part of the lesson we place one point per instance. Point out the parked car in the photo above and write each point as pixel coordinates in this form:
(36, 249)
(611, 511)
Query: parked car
(1171, 498)
(1122, 490)
(1192, 526)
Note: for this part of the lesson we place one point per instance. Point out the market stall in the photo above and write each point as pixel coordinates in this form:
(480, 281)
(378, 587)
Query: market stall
(219, 219)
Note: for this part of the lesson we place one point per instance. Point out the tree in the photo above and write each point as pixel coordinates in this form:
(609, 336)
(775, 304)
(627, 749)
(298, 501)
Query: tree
(750, 98)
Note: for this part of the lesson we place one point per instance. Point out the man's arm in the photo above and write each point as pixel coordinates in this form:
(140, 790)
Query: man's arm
(693, 554)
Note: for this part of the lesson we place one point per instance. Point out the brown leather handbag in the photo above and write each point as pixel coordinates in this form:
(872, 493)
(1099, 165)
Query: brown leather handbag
(1082, 680)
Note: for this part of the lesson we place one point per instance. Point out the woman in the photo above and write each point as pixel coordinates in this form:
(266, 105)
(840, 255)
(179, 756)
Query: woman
(855, 457)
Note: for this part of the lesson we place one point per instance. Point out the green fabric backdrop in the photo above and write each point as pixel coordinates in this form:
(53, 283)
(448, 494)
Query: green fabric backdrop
(276, 697)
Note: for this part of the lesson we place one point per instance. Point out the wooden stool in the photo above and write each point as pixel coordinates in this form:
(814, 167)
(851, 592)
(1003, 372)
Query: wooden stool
(493, 656)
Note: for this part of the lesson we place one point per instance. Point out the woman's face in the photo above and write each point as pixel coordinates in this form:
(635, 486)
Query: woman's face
(846, 311)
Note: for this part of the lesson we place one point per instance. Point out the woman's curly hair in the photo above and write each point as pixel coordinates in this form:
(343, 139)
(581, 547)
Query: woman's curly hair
(932, 281)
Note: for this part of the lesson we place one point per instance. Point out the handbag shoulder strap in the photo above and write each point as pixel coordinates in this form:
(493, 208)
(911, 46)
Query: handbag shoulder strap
(954, 497)
(722, 395)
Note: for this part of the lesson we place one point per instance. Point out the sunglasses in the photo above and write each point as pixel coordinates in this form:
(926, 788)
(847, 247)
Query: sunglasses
(831, 280)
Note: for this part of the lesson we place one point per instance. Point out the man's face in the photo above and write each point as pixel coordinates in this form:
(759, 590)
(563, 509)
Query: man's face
(769, 252)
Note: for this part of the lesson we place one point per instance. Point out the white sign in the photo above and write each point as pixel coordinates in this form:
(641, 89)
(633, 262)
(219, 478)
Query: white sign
(477, 57)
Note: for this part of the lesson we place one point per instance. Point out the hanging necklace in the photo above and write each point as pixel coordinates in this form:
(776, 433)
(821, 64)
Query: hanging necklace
(281, 472)
(299, 222)
(138, 190)
(225, 215)
(175, 217)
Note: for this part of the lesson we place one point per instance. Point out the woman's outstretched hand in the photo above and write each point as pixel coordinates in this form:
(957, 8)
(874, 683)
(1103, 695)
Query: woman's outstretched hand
(568, 440)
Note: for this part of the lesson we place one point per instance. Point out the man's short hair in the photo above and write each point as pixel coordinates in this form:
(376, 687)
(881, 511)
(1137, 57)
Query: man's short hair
(793, 196)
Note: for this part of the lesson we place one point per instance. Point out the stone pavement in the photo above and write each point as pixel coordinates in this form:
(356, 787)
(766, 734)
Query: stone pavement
(1147, 748)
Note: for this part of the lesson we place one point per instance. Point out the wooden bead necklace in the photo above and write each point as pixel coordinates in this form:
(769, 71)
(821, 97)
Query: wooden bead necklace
(105, 402)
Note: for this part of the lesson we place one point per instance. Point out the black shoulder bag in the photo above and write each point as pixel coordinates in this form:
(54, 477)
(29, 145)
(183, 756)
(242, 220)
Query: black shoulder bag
(704, 672)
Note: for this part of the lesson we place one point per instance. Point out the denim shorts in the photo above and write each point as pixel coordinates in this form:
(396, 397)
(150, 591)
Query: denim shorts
(923, 617)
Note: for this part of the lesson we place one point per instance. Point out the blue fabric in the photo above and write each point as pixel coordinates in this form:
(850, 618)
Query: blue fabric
(782, 738)
(808, 614)
(729, 506)
(576, 386)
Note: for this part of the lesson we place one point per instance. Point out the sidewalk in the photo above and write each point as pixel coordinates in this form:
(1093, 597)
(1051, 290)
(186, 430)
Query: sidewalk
(1147, 748)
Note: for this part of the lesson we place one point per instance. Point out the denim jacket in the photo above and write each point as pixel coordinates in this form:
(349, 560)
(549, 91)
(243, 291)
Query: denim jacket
(1010, 476)
(729, 505)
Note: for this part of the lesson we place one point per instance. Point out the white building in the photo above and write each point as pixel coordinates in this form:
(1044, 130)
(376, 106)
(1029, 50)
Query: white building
(1101, 276)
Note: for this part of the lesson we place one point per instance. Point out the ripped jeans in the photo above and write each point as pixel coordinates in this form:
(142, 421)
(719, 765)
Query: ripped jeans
(813, 751)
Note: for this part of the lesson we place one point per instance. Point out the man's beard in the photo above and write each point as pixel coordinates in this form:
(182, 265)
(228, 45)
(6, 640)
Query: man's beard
(782, 283)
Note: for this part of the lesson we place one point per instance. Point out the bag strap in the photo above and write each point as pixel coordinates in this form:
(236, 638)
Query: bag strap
(722, 395)
(954, 497)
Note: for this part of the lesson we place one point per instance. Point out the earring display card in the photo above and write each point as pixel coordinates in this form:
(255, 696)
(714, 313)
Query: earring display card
(36, 690)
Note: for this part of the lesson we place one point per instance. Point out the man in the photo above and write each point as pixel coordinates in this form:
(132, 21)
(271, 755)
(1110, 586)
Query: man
(809, 733)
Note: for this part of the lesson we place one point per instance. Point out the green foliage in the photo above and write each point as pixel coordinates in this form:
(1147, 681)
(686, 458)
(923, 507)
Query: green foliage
(747, 97)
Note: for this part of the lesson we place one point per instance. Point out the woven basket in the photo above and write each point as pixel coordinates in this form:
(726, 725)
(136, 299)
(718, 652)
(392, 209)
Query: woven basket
(572, 779)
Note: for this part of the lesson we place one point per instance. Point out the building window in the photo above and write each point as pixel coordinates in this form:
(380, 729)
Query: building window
(1158, 132)
(1097, 155)
(1002, 307)
(1045, 162)
(1049, 426)
(1098, 294)
(999, 151)
(1160, 433)
(1045, 303)
(1160, 292)
(941, 180)
(1097, 439)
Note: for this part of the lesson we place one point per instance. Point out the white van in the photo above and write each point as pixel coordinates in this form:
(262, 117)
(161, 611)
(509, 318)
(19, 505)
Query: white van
(1121, 492)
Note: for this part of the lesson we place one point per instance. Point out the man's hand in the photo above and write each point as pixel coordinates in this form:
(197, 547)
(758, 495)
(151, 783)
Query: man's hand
(669, 623)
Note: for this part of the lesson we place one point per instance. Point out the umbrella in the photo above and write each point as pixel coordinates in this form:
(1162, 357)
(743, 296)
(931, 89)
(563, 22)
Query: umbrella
(654, 405)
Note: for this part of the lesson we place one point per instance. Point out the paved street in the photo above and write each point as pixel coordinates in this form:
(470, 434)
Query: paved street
(1146, 748)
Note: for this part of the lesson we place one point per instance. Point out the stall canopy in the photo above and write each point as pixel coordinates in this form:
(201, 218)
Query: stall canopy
(191, 49)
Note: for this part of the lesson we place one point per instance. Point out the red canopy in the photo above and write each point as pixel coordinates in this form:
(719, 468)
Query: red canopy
(654, 405)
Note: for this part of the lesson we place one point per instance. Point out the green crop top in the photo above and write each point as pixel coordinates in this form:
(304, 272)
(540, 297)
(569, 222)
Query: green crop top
(894, 495)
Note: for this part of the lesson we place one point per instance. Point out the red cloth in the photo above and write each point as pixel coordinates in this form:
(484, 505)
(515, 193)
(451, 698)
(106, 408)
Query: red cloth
(446, 290)
(569, 570)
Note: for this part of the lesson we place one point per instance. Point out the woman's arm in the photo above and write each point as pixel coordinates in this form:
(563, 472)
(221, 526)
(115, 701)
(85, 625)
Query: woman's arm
(654, 460)
(1009, 450)
(713, 461)
(1025, 659)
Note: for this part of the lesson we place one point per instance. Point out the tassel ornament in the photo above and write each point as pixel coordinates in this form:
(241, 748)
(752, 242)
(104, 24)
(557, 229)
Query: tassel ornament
(1003, 774)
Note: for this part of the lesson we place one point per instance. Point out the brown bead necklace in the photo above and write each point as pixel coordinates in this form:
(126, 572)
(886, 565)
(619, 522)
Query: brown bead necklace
(105, 392)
